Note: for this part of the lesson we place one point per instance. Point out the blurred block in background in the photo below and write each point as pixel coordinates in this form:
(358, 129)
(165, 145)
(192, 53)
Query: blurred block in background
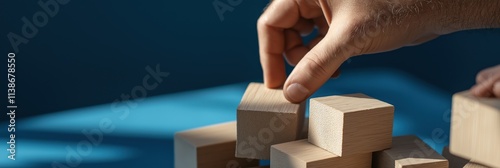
(475, 128)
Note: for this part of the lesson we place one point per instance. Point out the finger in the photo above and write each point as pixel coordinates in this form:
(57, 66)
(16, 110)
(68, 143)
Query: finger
(485, 88)
(279, 15)
(481, 76)
(310, 9)
(496, 89)
(304, 26)
(294, 48)
(322, 26)
(480, 90)
(487, 73)
(317, 66)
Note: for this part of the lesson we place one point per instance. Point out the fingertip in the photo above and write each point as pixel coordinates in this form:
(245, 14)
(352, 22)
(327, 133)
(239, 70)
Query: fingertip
(312, 71)
(296, 93)
(273, 84)
(474, 91)
(479, 90)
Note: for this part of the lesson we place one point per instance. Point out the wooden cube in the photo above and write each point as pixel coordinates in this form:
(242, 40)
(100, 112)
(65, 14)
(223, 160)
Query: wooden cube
(408, 151)
(453, 160)
(350, 124)
(302, 154)
(475, 128)
(474, 165)
(266, 118)
(208, 147)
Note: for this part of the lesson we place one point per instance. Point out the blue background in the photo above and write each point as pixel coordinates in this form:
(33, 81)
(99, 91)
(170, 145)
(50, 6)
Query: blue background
(92, 52)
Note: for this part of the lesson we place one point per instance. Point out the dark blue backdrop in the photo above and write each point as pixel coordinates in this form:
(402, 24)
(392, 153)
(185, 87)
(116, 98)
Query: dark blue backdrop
(92, 52)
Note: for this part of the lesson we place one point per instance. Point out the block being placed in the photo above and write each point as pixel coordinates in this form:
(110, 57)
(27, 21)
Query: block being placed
(453, 160)
(302, 154)
(350, 124)
(208, 147)
(475, 129)
(408, 151)
(266, 118)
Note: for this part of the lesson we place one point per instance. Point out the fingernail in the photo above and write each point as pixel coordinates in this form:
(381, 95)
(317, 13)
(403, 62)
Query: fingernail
(296, 92)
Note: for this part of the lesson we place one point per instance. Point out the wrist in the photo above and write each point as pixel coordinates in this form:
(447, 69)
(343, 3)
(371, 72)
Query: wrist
(457, 15)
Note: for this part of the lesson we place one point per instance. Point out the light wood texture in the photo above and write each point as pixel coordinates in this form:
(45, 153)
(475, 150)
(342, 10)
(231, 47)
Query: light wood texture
(350, 124)
(208, 147)
(475, 128)
(266, 118)
(408, 151)
(302, 154)
(453, 160)
(474, 165)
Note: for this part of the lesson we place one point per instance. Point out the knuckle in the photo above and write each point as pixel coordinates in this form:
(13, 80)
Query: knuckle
(261, 22)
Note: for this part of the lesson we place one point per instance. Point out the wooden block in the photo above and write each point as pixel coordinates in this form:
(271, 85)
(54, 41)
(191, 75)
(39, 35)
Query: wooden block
(208, 147)
(266, 118)
(350, 124)
(302, 154)
(475, 128)
(474, 165)
(453, 160)
(408, 151)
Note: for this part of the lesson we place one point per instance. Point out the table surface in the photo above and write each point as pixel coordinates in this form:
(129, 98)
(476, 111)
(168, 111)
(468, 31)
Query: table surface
(140, 132)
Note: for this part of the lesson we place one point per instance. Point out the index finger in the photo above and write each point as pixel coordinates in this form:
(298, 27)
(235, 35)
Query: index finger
(280, 15)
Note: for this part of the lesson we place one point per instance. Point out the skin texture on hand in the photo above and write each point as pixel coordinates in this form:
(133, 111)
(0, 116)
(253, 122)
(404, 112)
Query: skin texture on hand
(349, 28)
(487, 83)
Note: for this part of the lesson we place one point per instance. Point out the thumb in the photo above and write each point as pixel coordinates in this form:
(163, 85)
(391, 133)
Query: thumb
(313, 70)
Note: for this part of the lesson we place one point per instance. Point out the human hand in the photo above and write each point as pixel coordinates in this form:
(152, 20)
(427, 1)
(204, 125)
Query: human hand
(348, 28)
(487, 83)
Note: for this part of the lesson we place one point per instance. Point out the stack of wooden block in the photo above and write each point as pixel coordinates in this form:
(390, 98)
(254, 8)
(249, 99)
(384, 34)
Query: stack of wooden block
(348, 131)
(475, 132)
